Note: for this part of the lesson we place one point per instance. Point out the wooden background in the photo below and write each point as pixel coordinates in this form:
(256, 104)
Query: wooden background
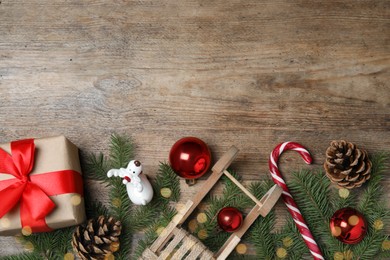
(250, 73)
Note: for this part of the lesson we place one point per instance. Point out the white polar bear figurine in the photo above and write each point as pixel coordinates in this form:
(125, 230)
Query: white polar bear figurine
(138, 187)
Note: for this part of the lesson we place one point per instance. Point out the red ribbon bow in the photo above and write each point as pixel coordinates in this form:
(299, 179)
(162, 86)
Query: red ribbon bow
(32, 192)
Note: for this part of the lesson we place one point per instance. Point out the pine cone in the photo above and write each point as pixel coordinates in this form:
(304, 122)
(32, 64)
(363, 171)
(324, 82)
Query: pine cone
(347, 165)
(98, 238)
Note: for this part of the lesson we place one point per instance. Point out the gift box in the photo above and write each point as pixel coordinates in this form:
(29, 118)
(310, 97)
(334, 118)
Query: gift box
(41, 186)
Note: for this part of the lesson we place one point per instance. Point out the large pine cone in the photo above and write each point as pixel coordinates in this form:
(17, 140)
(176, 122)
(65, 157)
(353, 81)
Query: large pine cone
(98, 238)
(347, 165)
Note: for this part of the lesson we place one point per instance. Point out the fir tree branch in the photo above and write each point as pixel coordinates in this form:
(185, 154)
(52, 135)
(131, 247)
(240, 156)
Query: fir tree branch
(167, 178)
(23, 256)
(370, 246)
(126, 240)
(94, 209)
(96, 167)
(231, 196)
(52, 245)
(163, 220)
(297, 249)
(369, 198)
(142, 216)
(261, 233)
(121, 150)
(338, 202)
(311, 190)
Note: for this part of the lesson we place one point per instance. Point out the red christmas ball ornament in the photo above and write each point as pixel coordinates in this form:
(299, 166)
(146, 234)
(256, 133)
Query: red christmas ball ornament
(348, 225)
(229, 219)
(190, 157)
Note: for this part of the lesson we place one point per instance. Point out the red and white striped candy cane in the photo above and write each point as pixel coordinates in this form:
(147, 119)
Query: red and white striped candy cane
(287, 197)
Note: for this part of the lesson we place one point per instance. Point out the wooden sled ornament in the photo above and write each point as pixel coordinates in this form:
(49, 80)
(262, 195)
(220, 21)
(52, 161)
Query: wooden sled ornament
(176, 243)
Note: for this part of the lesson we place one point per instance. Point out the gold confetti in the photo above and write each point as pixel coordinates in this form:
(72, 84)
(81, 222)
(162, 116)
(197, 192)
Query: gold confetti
(348, 255)
(166, 192)
(68, 256)
(378, 224)
(201, 218)
(336, 231)
(192, 225)
(281, 252)
(241, 248)
(114, 246)
(287, 241)
(26, 231)
(386, 245)
(5, 222)
(75, 200)
(338, 256)
(19, 239)
(343, 193)
(353, 220)
(109, 256)
(202, 234)
(116, 202)
(29, 246)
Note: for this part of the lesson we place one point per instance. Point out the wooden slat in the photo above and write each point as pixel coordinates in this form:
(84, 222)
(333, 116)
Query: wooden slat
(196, 250)
(217, 171)
(148, 255)
(177, 238)
(188, 243)
(166, 234)
(268, 201)
(206, 255)
(228, 247)
(245, 190)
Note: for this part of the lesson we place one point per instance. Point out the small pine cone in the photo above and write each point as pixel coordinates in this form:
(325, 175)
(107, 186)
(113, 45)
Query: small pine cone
(98, 238)
(347, 165)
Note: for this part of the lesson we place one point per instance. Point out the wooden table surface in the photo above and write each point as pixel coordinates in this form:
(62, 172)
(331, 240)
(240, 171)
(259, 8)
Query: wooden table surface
(246, 73)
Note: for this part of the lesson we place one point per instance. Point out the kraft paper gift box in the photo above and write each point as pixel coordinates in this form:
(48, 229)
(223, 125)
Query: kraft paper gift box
(41, 186)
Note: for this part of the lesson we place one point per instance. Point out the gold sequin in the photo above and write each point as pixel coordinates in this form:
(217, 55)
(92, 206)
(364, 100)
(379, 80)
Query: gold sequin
(287, 241)
(192, 225)
(114, 246)
(201, 218)
(343, 193)
(202, 234)
(26, 231)
(75, 200)
(166, 192)
(378, 224)
(386, 245)
(241, 249)
(353, 220)
(68, 256)
(281, 252)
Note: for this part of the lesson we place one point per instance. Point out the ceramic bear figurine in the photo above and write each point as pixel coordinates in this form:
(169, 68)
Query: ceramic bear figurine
(138, 187)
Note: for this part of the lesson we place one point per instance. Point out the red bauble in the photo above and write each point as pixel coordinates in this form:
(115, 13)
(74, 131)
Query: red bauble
(229, 219)
(348, 225)
(190, 157)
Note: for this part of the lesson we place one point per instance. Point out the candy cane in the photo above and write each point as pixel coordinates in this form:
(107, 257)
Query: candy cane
(287, 197)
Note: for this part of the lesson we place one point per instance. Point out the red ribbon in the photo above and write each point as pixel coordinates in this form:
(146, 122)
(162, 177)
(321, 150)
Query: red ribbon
(32, 192)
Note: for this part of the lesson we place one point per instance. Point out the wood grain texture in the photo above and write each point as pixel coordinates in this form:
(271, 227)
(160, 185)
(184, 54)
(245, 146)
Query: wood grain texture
(245, 73)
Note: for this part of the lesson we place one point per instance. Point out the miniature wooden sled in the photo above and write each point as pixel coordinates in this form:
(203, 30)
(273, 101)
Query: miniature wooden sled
(176, 243)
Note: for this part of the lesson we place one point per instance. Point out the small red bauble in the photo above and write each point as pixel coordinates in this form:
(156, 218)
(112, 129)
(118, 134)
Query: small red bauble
(229, 219)
(190, 157)
(348, 225)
